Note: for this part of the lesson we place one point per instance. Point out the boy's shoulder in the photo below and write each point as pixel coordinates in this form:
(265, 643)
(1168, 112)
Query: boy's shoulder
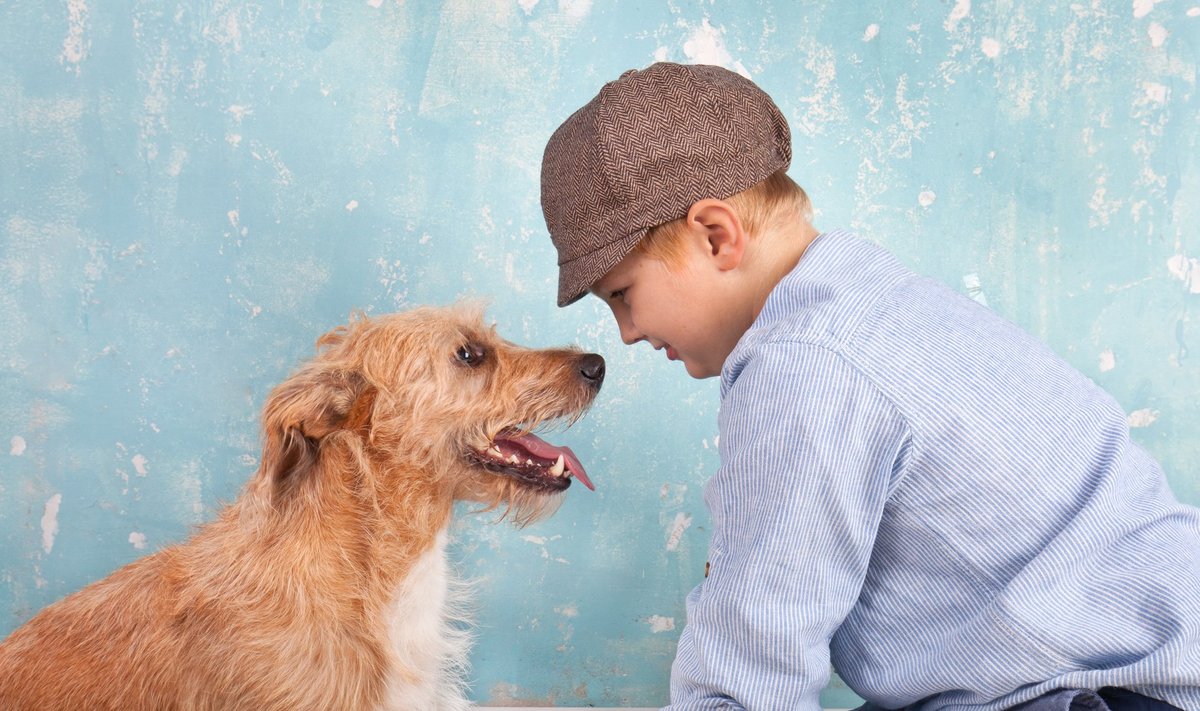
(836, 283)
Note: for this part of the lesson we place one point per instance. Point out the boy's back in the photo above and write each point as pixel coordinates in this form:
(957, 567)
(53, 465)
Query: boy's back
(924, 490)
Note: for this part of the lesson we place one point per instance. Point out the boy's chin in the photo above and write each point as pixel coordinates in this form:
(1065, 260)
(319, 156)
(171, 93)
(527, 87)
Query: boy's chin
(699, 372)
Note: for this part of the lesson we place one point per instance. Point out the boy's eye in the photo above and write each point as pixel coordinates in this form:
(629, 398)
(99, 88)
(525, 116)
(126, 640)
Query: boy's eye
(618, 294)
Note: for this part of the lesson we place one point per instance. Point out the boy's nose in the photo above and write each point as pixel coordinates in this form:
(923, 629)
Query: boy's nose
(629, 334)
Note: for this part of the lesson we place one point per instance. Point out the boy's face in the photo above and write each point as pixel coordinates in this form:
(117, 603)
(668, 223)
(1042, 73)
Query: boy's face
(677, 309)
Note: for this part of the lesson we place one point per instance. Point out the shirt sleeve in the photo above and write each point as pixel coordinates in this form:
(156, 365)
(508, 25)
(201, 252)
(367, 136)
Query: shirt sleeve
(809, 450)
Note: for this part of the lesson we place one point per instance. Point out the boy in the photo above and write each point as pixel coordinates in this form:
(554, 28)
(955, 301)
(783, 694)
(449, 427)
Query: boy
(910, 486)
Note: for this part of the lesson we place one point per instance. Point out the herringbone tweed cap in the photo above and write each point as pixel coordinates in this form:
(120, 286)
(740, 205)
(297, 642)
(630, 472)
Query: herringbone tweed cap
(642, 152)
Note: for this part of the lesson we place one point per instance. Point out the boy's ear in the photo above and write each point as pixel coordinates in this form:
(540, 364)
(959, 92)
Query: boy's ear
(717, 224)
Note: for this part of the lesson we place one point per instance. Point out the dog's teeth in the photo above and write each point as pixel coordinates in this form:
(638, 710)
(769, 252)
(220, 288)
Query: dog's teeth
(559, 464)
(528, 462)
(514, 459)
(495, 452)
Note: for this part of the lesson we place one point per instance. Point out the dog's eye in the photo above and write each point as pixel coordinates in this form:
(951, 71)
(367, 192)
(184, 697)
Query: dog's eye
(470, 354)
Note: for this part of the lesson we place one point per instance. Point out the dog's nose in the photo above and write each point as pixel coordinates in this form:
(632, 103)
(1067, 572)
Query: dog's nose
(591, 367)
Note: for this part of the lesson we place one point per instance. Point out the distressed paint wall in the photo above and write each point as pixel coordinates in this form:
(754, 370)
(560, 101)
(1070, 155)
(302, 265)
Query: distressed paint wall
(192, 192)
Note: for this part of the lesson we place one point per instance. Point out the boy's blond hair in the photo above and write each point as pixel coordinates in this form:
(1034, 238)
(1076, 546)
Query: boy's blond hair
(759, 207)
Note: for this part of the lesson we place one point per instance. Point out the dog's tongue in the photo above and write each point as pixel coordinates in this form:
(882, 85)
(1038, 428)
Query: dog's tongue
(539, 447)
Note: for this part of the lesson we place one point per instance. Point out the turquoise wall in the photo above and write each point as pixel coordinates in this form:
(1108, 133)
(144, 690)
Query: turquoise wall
(192, 192)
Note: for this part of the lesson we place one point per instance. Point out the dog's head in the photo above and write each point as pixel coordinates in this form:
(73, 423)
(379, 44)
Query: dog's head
(438, 397)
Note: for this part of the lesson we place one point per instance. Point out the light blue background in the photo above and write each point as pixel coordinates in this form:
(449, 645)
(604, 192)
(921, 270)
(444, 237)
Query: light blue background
(191, 193)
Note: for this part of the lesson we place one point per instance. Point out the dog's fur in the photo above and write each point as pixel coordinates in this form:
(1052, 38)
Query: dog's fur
(324, 586)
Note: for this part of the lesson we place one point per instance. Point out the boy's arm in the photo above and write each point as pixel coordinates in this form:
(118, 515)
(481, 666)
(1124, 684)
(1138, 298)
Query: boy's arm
(809, 450)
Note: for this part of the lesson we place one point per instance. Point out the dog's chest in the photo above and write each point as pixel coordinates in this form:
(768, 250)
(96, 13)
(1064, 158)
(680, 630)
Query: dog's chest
(428, 645)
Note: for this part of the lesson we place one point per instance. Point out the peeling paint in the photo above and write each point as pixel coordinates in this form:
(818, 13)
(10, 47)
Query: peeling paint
(137, 540)
(659, 624)
(50, 522)
(1141, 8)
(678, 527)
(1142, 418)
(75, 46)
(962, 8)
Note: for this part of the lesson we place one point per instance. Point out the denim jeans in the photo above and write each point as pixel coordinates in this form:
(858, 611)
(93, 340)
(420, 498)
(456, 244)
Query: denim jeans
(1106, 699)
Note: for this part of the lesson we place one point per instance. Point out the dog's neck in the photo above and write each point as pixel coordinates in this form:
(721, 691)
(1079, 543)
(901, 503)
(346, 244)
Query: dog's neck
(358, 520)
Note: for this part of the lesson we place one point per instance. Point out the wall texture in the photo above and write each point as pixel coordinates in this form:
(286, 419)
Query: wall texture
(190, 193)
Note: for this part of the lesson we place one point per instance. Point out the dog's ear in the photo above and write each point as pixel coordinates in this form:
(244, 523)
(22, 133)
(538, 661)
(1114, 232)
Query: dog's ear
(303, 410)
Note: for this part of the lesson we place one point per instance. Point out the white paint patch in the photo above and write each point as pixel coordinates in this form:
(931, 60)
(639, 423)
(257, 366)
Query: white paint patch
(1186, 270)
(1193, 12)
(962, 8)
(527, 5)
(1101, 206)
(1141, 8)
(191, 491)
(239, 112)
(569, 610)
(974, 288)
(1158, 34)
(352, 206)
(1108, 361)
(74, 46)
(1142, 418)
(678, 526)
(658, 623)
(706, 45)
(16, 446)
(225, 31)
(871, 33)
(50, 522)
(375, 3)
(138, 540)
(672, 495)
(575, 9)
(662, 54)
(824, 105)
(926, 198)
(990, 47)
(178, 157)
(139, 464)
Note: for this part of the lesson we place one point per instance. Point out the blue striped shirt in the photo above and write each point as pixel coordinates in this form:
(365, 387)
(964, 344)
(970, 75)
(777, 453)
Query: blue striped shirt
(915, 490)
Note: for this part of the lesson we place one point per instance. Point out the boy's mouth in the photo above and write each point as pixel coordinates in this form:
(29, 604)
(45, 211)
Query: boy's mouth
(672, 354)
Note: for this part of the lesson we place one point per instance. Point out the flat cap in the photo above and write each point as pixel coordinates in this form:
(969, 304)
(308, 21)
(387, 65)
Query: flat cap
(650, 145)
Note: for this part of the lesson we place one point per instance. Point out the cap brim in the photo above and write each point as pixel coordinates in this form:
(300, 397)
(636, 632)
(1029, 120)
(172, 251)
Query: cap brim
(578, 276)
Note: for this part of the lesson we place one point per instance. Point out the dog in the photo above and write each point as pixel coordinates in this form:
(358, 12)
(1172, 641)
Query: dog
(325, 584)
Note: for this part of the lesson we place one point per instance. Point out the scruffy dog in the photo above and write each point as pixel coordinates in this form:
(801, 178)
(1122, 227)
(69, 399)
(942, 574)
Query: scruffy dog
(325, 584)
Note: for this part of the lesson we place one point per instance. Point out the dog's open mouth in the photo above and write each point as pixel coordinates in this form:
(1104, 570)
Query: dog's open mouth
(533, 461)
